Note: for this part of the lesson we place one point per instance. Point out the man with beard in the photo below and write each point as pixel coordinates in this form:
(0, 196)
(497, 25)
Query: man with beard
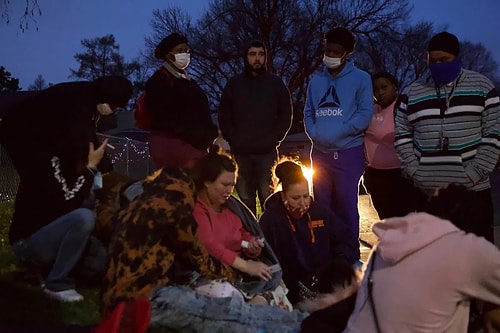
(255, 114)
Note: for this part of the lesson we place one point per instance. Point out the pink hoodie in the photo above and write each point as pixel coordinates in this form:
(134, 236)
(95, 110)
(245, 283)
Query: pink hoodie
(379, 139)
(426, 272)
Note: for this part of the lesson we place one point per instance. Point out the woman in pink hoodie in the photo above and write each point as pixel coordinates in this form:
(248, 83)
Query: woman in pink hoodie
(426, 269)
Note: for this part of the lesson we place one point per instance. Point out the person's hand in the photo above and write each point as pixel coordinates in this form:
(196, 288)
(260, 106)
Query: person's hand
(257, 268)
(255, 246)
(95, 155)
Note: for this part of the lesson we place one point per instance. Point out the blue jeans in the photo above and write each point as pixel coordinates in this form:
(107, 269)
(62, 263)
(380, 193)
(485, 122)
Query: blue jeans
(181, 309)
(60, 244)
(336, 184)
(254, 177)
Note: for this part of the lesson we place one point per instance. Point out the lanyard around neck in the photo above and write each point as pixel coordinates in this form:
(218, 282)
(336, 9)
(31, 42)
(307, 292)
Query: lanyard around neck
(446, 105)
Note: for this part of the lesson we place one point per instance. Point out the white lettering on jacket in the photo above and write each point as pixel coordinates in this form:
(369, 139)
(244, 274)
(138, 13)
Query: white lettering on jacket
(329, 112)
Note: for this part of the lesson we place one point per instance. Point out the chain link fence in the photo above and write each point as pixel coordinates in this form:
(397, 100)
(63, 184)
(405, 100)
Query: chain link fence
(129, 157)
(9, 180)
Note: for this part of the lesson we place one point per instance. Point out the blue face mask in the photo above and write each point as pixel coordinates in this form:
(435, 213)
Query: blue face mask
(445, 72)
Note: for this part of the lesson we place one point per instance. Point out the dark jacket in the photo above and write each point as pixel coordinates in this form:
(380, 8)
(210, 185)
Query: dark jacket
(299, 254)
(179, 108)
(255, 113)
(47, 138)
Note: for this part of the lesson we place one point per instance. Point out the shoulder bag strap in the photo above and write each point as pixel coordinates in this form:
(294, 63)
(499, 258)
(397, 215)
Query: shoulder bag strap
(370, 290)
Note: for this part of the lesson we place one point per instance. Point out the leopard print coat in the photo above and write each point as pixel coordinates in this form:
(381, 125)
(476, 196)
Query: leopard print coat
(154, 236)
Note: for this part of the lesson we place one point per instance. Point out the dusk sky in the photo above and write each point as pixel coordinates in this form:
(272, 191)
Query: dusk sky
(64, 23)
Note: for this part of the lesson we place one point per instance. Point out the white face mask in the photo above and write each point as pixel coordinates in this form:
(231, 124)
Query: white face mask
(104, 109)
(332, 63)
(182, 60)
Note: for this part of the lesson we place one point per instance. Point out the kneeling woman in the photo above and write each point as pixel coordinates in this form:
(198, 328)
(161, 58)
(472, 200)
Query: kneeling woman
(227, 228)
(303, 234)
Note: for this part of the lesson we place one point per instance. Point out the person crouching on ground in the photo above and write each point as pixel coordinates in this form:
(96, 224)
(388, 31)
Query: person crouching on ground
(51, 140)
(304, 234)
(432, 265)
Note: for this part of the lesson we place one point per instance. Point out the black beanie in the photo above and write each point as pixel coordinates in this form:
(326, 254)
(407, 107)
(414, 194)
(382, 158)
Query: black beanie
(444, 41)
(115, 90)
(342, 36)
(387, 76)
(168, 43)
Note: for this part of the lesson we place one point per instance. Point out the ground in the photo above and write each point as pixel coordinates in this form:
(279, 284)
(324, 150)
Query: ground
(367, 217)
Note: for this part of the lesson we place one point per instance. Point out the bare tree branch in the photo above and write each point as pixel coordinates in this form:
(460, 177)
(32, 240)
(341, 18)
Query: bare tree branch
(29, 14)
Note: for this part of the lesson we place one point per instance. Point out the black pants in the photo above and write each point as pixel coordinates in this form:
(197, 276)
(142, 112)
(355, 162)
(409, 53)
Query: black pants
(483, 225)
(391, 193)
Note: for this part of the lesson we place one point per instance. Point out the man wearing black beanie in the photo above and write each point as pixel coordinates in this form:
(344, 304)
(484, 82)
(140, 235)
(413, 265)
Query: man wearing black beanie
(447, 128)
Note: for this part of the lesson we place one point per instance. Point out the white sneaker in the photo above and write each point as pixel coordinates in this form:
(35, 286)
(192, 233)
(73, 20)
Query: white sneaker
(69, 295)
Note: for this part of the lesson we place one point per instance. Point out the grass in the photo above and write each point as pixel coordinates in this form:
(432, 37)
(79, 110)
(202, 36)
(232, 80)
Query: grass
(22, 303)
(22, 297)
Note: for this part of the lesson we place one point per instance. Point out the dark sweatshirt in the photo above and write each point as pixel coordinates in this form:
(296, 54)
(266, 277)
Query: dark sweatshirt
(255, 113)
(47, 137)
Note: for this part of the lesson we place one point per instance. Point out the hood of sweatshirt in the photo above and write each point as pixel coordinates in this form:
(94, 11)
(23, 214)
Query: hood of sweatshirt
(248, 69)
(274, 201)
(402, 236)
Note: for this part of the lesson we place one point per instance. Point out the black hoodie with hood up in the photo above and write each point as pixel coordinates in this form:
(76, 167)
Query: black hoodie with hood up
(255, 112)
